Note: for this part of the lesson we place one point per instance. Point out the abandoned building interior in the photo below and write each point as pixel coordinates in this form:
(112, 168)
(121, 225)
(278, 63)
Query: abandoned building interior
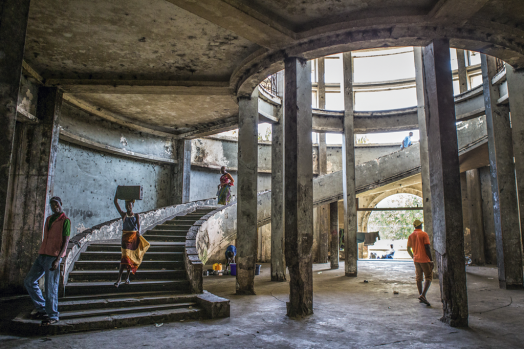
(307, 104)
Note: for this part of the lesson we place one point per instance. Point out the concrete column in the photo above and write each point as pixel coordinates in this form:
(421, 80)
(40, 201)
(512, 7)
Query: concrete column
(247, 193)
(445, 179)
(462, 71)
(335, 244)
(424, 158)
(278, 262)
(515, 81)
(348, 168)
(298, 186)
(490, 241)
(476, 224)
(323, 211)
(31, 187)
(13, 24)
(465, 214)
(182, 172)
(321, 83)
(503, 188)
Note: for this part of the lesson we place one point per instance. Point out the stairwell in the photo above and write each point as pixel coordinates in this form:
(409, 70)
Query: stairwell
(159, 291)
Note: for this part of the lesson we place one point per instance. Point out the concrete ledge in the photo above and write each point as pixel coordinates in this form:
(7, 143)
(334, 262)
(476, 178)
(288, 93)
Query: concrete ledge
(215, 307)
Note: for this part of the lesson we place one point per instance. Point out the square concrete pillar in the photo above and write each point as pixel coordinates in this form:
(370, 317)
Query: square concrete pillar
(278, 262)
(441, 133)
(247, 235)
(476, 223)
(515, 79)
(465, 214)
(31, 187)
(503, 187)
(298, 186)
(490, 240)
(13, 24)
(348, 169)
(335, 243)
(322, 211)
(182, 172)
(424, 157)
(462, 71)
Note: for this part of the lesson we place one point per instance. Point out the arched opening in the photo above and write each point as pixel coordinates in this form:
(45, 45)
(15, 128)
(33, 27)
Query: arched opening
(394, 225)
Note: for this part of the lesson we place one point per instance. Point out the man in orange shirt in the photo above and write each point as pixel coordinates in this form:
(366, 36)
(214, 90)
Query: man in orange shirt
(419, 250)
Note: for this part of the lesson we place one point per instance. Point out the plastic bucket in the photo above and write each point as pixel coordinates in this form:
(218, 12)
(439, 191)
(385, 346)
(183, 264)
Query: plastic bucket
(233, 269)
(257, 269)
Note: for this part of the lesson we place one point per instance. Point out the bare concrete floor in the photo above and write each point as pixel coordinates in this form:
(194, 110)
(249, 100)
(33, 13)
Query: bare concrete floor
(348, 314)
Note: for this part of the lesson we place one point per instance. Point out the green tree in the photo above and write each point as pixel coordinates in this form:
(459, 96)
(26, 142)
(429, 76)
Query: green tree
(396, 224)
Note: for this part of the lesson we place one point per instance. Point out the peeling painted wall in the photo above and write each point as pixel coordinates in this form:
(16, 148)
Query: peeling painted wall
(86, 181)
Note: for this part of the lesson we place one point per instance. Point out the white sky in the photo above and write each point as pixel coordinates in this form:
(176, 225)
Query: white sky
(372, 66)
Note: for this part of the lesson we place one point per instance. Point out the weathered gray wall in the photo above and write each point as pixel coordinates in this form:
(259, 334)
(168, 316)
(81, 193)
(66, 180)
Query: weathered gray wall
(86, 181)
(209, 154)
(204, 182)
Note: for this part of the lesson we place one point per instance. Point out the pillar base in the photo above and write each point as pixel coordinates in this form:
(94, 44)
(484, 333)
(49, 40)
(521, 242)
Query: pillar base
(335, 267)
(278, 277)
(245, 293)
(351, 275)
(461, 322)
(506, 286)
(298, 313)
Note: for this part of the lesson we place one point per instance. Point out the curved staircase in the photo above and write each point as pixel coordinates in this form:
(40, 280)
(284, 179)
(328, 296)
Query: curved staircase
(159, 292)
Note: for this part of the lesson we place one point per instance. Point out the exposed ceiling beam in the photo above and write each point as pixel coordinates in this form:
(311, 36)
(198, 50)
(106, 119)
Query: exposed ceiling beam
(118, 119)
(208, 129)
(165, 87)
(241, 20)
(456, 10)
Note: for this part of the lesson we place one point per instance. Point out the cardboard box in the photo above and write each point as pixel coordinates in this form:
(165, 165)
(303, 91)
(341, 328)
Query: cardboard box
(129, 192)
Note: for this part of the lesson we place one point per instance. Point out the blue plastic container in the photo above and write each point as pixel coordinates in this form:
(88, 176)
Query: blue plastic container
(257, 270)
(233, 269)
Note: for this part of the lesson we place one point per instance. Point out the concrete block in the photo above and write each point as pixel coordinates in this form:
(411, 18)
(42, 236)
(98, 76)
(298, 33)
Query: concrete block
(215, 307)
(129, 192)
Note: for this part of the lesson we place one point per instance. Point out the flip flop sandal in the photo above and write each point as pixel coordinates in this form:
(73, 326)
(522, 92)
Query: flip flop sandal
(424, 300)
(39, 316)
(48, 322)
(116, 284)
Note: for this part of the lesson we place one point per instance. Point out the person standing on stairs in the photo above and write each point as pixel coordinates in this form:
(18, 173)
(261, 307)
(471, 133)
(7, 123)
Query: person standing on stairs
(134, 246)
(57, 230)
(224, 188)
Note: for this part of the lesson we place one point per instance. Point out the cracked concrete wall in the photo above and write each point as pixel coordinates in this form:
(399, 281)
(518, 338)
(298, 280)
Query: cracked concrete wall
(86, 179)
(209, 154)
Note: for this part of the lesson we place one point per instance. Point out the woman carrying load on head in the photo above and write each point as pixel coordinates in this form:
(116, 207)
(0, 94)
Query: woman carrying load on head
(224, 188)
(134, 246)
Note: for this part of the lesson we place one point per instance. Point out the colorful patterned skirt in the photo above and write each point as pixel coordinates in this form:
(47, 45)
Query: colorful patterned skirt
(224, 195)
(134, 246)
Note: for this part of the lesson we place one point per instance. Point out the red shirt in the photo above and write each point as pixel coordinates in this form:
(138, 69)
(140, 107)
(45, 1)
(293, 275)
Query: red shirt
(417, 241)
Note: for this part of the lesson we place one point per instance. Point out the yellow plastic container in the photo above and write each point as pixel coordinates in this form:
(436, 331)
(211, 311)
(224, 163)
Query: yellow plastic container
(217, 266)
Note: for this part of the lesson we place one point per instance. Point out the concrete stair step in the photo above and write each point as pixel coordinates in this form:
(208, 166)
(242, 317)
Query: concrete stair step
(115, 294)
(115, 265)
(131, 299)
(98, 287)
(75, 314)
(166, 238)
(112, 275)
(173, 226)
(23, 326)
(115, 256)
(155, 247)
(170, 232)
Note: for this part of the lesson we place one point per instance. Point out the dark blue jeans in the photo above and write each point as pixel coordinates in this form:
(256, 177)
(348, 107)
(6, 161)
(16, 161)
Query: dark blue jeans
(52, 279)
